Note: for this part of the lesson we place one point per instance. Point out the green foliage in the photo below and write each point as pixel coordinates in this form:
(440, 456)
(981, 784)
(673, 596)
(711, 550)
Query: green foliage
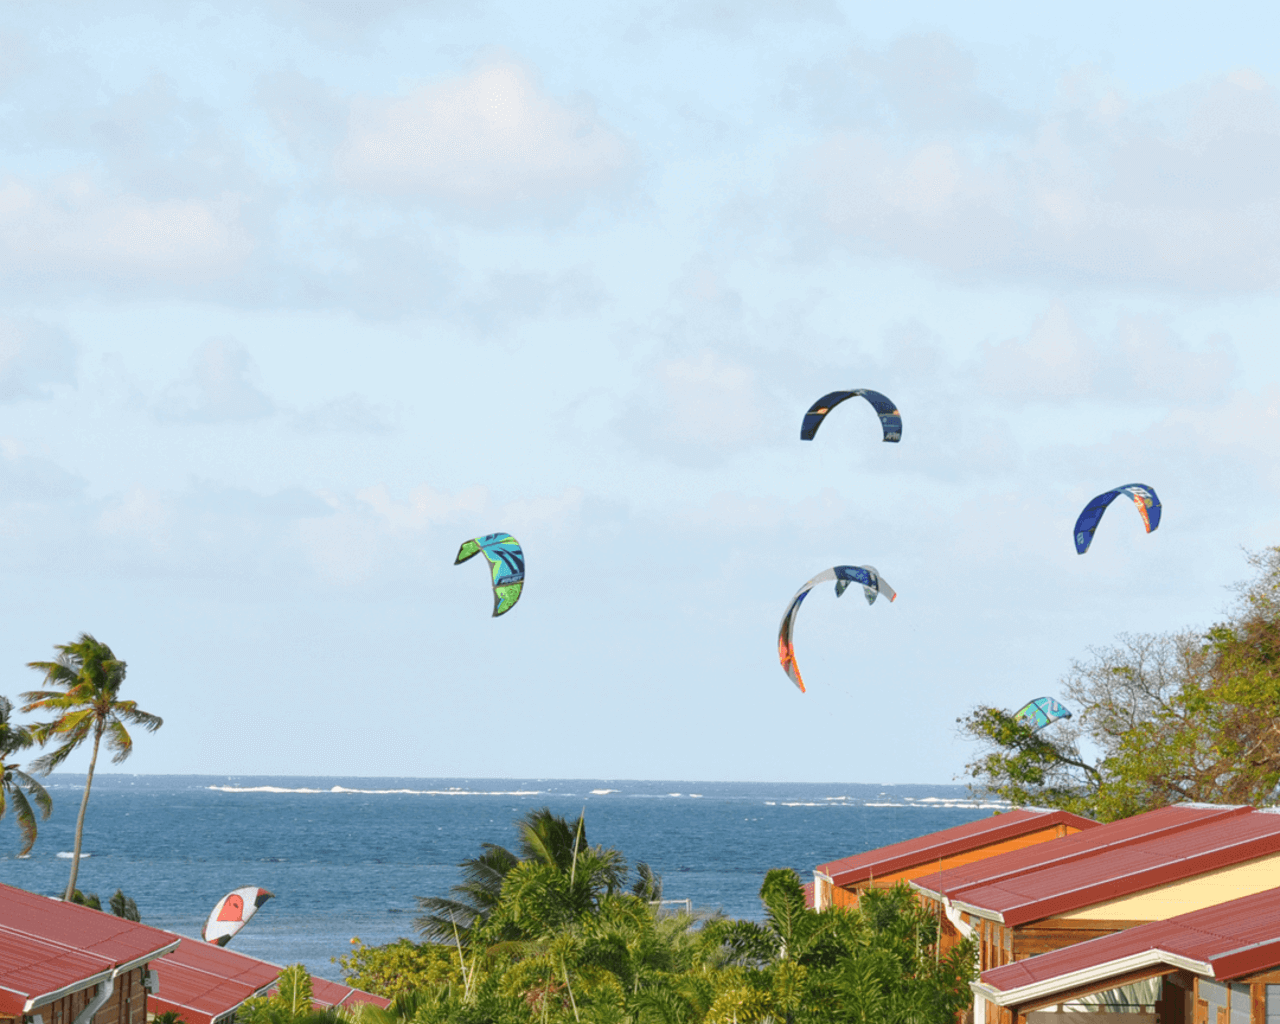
(1192, 715)
(82, 692)
(399, 968)
(123, 906)
(119, 904)
(16, 786)
(91, 900)
(168, 1017)
(290, 1003)
(560, 940)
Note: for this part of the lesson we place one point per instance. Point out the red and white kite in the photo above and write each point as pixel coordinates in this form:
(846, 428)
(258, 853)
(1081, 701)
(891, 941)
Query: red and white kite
(231, 912)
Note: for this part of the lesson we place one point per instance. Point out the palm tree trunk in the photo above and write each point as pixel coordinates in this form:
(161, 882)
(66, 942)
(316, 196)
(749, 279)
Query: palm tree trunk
(84, 805)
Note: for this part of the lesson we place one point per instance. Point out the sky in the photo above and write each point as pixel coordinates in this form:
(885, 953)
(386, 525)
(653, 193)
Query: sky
(295, 297)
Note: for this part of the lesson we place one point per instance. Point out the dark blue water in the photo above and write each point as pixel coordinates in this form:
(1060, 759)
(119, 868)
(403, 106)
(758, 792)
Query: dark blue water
(346, 856)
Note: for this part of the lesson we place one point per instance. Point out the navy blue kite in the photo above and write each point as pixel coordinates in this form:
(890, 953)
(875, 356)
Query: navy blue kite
(890, 420)
(1143, 496)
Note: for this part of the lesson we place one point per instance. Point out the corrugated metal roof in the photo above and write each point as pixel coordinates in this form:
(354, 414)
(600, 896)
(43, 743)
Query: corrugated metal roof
(203, 982)
(48, 946)
(31, 967)
(1156, 826)
(935, 846)
(1123, 870)
(331, 993)
(1230, 939)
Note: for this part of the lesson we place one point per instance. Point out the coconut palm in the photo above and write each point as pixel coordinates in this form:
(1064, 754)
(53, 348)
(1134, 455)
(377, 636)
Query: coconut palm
(13, 780)
(82, 690)
(556, 877)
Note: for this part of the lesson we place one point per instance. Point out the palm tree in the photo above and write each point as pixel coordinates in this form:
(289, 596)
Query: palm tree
(82, 688)
(553, 852)
(13, 780)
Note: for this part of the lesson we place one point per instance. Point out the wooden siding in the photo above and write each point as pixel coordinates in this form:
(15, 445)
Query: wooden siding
(127, 1005)
(1058, 933)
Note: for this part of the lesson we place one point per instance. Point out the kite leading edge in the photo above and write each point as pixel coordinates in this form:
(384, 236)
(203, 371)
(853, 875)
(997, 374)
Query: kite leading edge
(890, 418)
(1144, 498)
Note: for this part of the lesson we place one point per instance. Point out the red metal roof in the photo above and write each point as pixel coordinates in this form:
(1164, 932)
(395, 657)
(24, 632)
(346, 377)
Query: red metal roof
(1226, 941)
(47, 946)
(1112, 860)
(1123, 870)
(931, 848)
(331, 993)
(31, 967)
(203, 982)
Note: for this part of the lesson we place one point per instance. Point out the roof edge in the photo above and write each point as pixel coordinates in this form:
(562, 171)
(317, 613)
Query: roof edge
(1087, 976)
(76, 986)
(1038, 818)
(972, 911)
(1246, 959)
(140, 961)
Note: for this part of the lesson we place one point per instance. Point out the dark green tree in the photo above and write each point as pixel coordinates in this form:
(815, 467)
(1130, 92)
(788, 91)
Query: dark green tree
(1191, 715)
(17, 788)
(82, 691)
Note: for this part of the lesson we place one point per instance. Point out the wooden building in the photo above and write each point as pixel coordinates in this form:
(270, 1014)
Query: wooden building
(65, 964)
(1218, 965)
(1150, 867)
(838, 883)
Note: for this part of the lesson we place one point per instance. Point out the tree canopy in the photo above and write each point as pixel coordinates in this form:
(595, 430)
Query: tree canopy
(1158, 719)
(554, 935)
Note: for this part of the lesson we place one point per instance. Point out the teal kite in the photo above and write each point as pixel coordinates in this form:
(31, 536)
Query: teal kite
(506, 562)
(1040, 712)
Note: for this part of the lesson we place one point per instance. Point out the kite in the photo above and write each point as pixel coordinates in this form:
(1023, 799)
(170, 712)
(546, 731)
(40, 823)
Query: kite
(873, 586)
(1143, 496)
(506, 560)
(1040, 712)
(232, 912)
(890, 420)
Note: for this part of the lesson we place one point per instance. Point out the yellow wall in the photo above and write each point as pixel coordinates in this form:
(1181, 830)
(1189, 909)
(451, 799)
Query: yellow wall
(1205, 890)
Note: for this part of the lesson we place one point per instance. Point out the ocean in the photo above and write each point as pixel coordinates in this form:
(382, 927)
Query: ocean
(346, 857)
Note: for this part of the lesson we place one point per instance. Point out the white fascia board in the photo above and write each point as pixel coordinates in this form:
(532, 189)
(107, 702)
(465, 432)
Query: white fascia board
(969, 908)
(66, 990)
(1090, 976)
(927, 892)
(144, 960)
(824, 877)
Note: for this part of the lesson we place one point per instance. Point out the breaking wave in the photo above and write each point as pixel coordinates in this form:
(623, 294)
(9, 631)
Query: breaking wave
(377, 792)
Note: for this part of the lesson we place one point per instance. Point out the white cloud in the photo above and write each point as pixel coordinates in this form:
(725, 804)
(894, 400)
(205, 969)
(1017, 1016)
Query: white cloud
(141, 514)
(219, 389)
(704, 408)
(1142, 362)
(73, 229)
(1179, 192)
(350, 414)
(490, 138)
(33, 357)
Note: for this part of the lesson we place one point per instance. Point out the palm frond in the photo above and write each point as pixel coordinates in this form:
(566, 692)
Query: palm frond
(26, 817)
(119, 740)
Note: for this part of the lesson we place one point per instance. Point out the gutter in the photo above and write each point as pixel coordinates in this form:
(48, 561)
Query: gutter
(953, 915)
(76, 986)
(95, 1004)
